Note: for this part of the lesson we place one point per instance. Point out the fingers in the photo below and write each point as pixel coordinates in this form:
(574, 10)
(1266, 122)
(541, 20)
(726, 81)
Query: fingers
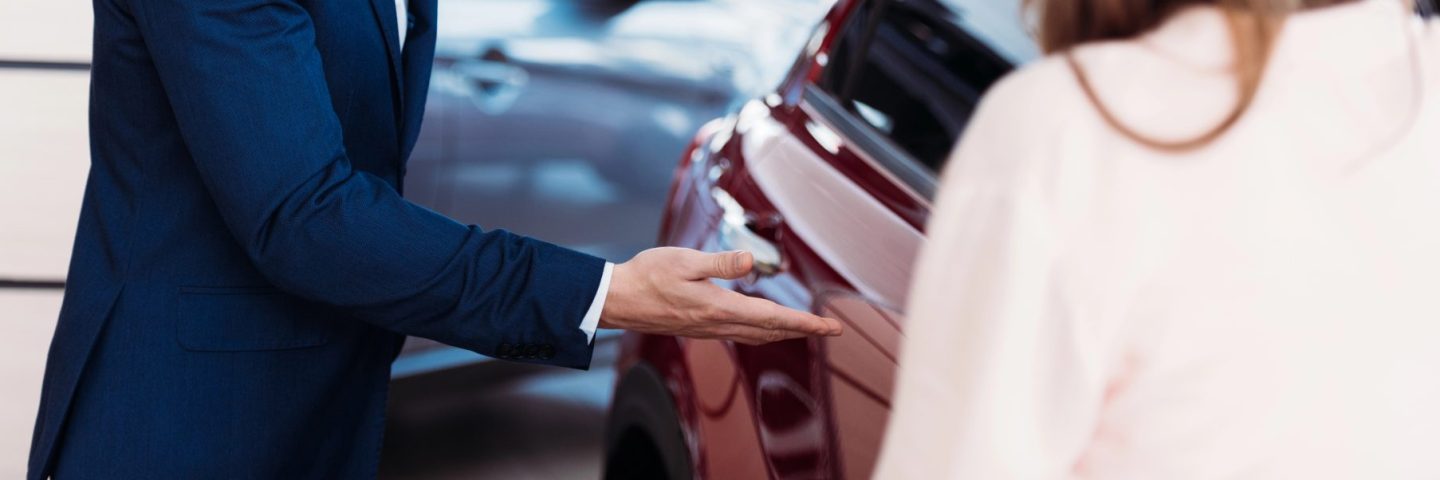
(764, 314)
(754, 336)
(727, 265)
(695, 307)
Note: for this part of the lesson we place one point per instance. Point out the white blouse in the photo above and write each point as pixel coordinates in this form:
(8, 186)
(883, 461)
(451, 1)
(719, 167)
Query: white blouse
(402, 19)
(1265, 307)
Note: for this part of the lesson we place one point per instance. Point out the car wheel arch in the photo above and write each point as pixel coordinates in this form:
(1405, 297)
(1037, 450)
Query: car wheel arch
(644, 410)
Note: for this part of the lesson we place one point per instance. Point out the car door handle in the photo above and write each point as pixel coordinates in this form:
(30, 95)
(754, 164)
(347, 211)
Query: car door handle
(735, 233)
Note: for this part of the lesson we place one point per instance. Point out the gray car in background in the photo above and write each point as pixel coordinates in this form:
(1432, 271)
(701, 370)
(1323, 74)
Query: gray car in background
(561, 119)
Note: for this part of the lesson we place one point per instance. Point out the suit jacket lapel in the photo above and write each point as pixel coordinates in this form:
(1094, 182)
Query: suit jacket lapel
(419, 56)
(385, 14)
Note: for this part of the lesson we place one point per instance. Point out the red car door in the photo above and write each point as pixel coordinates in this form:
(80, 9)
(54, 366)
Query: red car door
(828, 182)
(826, 244)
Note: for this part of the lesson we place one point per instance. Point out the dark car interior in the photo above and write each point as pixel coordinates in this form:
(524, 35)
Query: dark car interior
(912, 75)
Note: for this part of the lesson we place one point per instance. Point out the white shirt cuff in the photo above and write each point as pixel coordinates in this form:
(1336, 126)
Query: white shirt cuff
(592, 317)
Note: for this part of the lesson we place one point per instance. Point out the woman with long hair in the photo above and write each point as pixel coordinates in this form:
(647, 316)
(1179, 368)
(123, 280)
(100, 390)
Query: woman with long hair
(1200, 240)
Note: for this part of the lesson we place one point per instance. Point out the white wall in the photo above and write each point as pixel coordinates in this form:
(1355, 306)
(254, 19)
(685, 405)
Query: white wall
(45, 30)
(43, 159)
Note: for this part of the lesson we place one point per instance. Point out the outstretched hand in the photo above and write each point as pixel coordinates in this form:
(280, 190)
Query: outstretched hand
(667, 291)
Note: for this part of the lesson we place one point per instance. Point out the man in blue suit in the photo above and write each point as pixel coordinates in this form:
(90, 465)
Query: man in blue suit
(246, 269)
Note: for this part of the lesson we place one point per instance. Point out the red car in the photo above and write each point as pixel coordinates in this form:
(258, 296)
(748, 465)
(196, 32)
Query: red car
(828, 181)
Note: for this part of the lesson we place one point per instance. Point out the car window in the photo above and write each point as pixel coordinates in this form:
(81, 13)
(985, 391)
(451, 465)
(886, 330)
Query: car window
(848, 43)
(1000, 24)
(908, 71)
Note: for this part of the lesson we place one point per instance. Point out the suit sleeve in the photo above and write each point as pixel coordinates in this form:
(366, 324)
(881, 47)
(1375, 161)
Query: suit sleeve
(247, 88)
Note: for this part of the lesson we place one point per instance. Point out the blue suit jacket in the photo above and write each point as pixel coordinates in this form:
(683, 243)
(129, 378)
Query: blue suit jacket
(245, 265)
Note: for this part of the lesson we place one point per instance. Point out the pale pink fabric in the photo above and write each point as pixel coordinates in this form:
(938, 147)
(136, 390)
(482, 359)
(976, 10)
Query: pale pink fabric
(1265, 307)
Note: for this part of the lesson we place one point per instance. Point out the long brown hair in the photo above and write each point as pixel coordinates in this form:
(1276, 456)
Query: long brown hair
(1254, 24)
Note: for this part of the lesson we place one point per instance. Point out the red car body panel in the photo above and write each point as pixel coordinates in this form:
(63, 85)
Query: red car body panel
(809, 408)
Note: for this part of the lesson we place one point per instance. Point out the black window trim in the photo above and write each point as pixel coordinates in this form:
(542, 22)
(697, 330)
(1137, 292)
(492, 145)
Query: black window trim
(871, 22)
(896, 161)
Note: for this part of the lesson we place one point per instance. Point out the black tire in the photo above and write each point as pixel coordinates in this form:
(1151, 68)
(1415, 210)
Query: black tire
(643, 439)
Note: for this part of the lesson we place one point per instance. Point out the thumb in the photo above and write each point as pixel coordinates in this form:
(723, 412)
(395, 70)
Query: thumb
(727, 265)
